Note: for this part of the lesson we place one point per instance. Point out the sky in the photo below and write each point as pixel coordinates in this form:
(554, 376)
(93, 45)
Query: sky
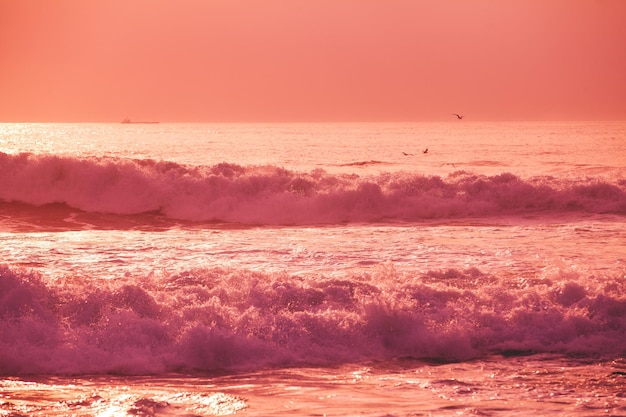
(311, 60)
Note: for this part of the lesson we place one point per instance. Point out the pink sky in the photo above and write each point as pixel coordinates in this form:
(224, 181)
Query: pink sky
(312, 60)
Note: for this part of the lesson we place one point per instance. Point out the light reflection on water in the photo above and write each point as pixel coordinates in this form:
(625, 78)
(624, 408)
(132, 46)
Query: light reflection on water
(538, 385)
(531, 148)
(516, 250)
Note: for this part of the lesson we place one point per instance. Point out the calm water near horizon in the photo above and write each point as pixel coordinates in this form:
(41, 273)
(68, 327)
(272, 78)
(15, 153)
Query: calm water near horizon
(313, 269)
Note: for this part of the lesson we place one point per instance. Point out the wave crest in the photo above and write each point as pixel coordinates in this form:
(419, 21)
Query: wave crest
(233, 193)
(209, 319)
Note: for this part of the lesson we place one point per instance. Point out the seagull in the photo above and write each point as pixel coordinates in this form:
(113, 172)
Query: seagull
(407, 154)
(425, 150)
(458, 116)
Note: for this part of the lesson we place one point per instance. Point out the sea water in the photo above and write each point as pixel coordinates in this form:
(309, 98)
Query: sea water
(313, 269)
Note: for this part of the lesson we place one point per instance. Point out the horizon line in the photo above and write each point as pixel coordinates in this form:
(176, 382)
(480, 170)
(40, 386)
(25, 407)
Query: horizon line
(329, 121)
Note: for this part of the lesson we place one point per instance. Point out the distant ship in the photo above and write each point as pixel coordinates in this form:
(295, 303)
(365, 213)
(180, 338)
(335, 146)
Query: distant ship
(128, 121)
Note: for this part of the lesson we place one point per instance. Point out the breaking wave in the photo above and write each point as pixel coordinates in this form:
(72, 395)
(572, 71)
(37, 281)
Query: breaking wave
(271, 195)
(228, 319)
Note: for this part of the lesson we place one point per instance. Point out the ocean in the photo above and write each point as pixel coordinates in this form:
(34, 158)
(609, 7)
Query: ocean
(313, 269)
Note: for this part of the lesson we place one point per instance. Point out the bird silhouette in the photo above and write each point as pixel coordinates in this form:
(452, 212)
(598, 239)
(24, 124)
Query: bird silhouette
(407, 154)
(425, 150)
(458, 116)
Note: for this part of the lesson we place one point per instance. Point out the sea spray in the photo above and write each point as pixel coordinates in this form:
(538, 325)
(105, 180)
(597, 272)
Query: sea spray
(312, 268)
(270, 195)
(217, 319)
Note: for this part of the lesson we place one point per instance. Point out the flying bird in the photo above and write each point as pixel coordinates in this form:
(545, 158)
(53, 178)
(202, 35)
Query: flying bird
(425, 150)
(458, 116)
(407, 154)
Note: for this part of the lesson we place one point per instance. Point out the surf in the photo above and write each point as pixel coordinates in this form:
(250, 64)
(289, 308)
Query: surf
(272, 195)
(212, 319)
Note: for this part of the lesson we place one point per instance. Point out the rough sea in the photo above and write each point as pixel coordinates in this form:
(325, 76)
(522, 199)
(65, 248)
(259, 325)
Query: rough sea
(370, 269)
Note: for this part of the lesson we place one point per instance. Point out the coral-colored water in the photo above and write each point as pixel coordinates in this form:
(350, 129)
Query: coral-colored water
(311, 269)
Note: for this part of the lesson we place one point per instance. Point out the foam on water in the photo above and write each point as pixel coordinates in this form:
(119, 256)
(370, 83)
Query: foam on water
(270, 195)
(319, 268)
(215, 319)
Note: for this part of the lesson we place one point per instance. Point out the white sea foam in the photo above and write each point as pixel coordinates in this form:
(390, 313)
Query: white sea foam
(311, 264)
(271, 195)
(216, 319)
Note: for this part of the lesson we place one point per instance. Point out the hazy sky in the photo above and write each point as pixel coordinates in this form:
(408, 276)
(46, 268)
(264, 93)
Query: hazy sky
(312, 60)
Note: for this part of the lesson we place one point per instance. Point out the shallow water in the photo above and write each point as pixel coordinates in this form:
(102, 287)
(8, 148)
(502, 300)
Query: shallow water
(542, 385)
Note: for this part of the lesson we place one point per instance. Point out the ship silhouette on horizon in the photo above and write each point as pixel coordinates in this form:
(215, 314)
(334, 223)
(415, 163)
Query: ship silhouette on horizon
(127, 121)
